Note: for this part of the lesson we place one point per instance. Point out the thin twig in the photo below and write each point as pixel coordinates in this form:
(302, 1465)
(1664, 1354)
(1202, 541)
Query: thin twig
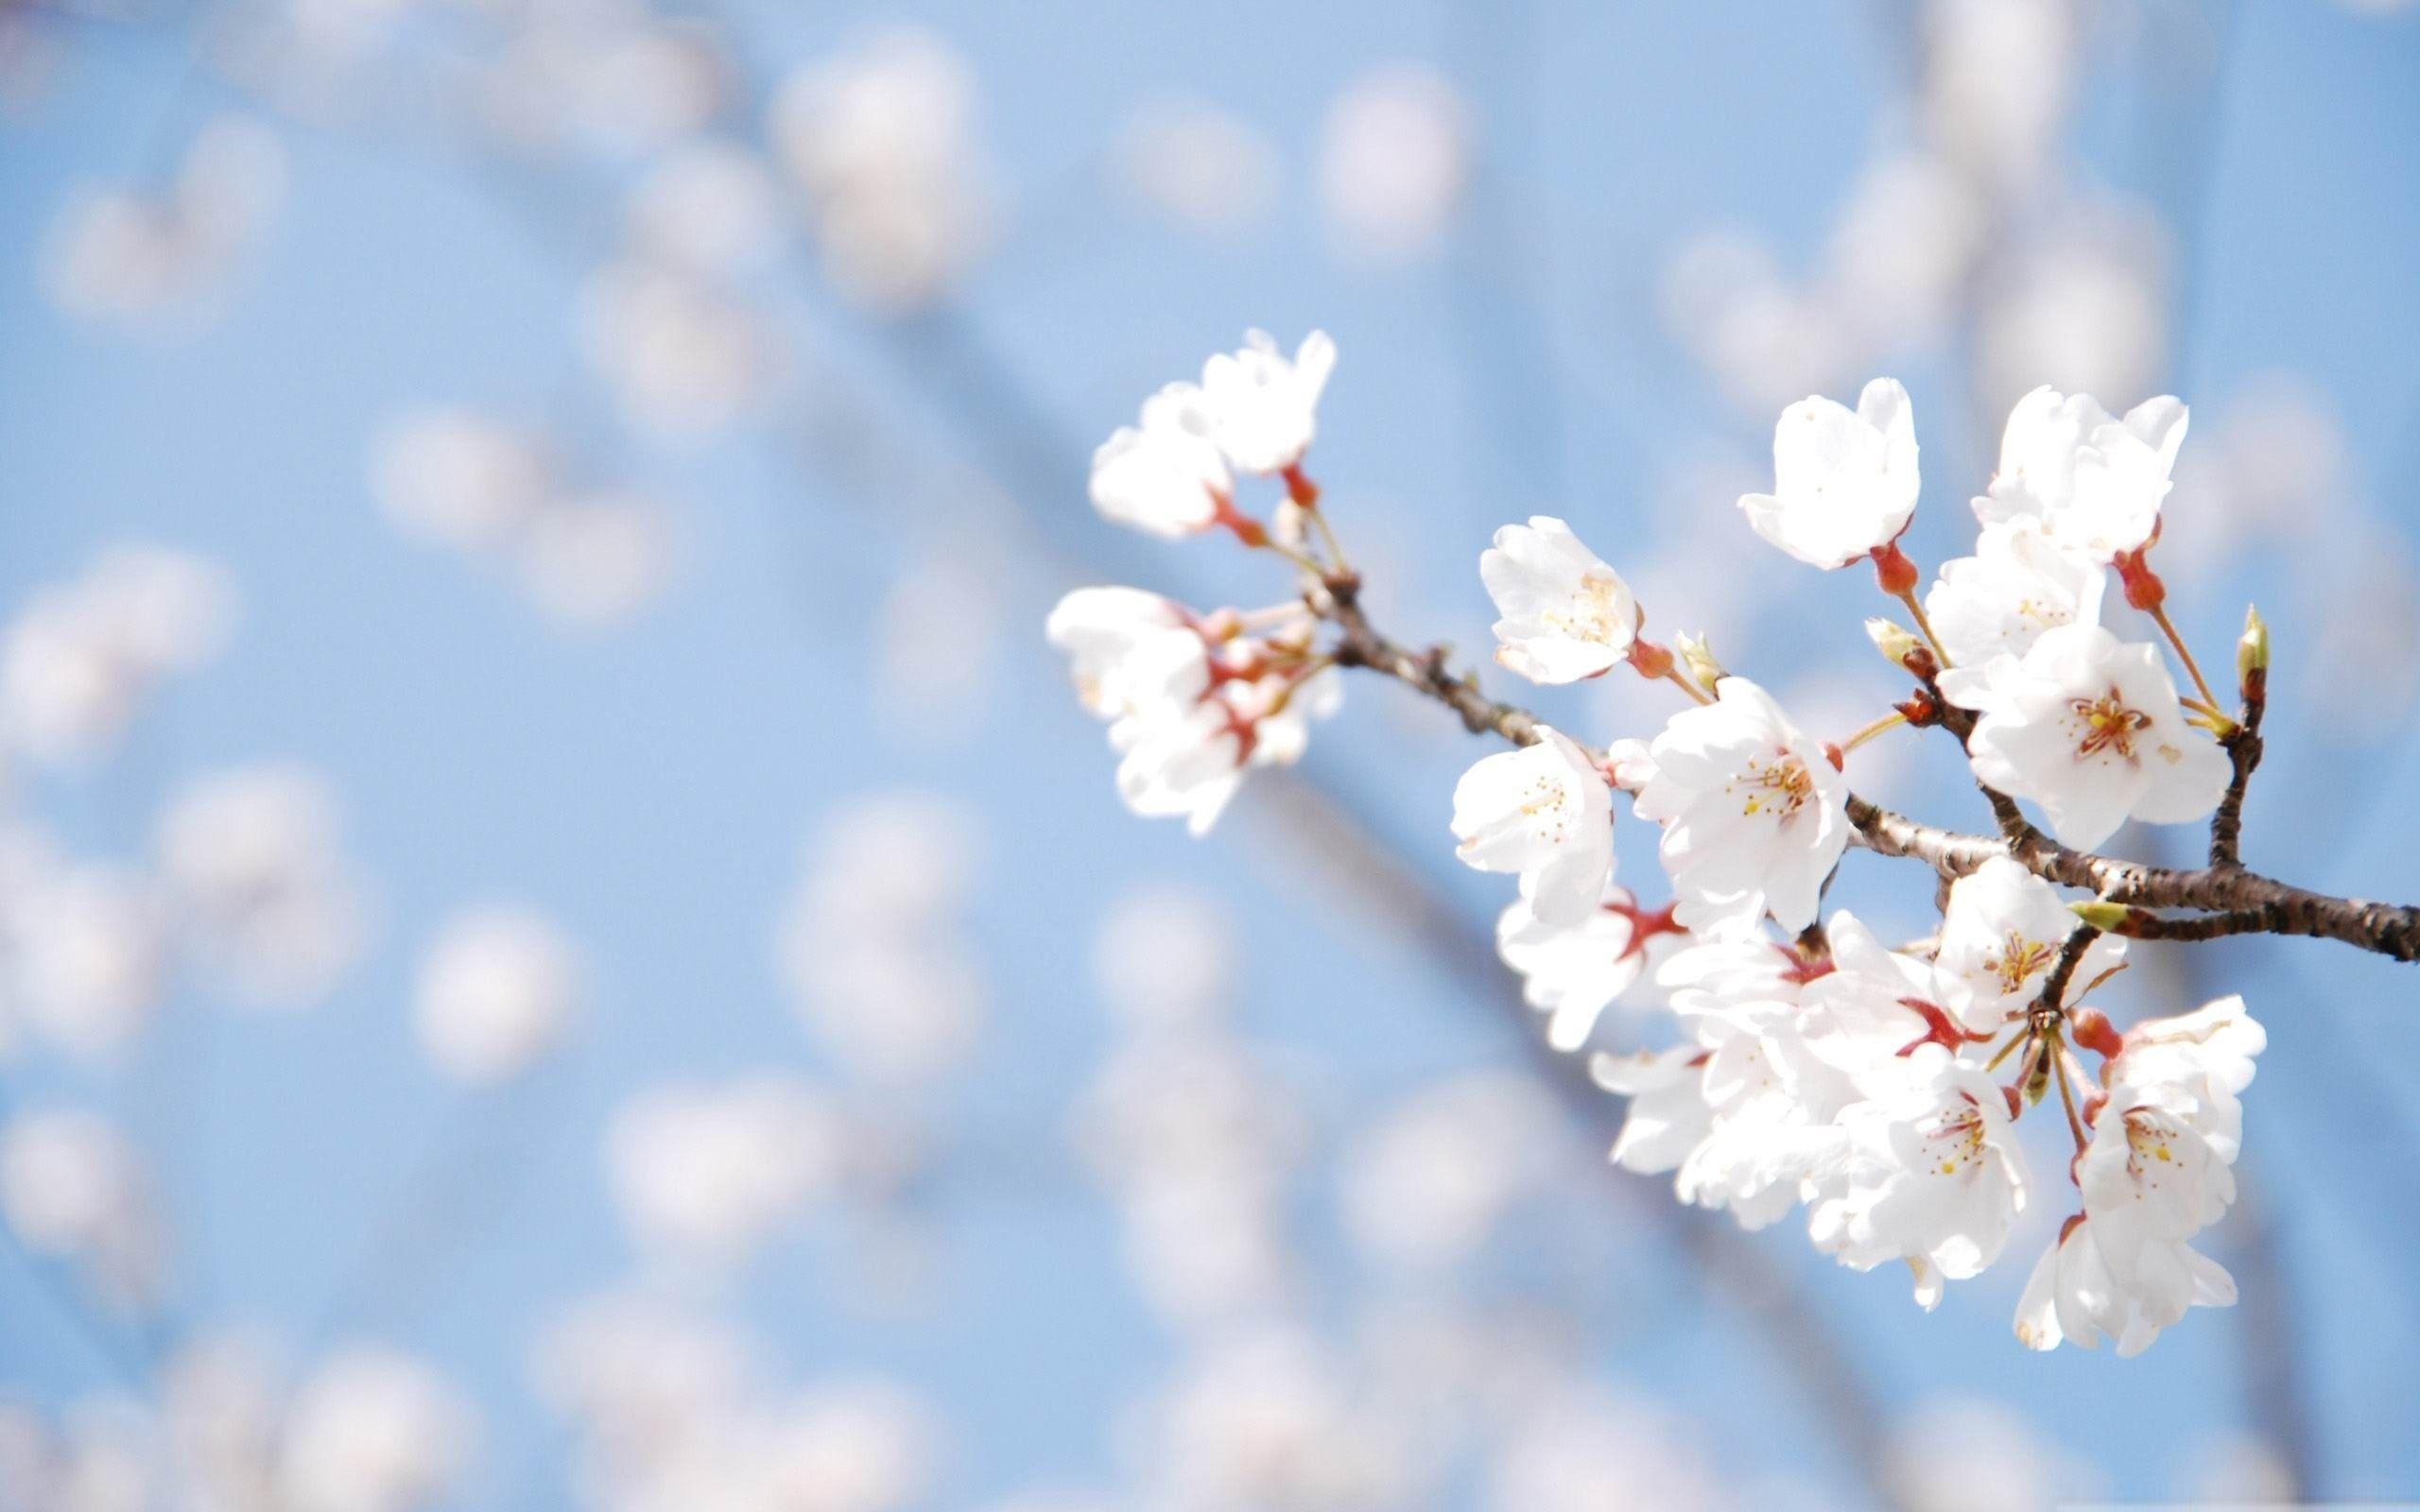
(2185, 653)
(2243, 745)
(2057, 1055)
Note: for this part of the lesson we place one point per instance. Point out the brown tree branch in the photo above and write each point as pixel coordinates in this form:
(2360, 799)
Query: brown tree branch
(1360, 645)
(2053, 999)
(2243, 749)
(2237, 900)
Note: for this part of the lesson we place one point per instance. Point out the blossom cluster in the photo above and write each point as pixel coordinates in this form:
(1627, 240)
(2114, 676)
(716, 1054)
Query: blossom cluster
(1808, 1063)
(1196, 700)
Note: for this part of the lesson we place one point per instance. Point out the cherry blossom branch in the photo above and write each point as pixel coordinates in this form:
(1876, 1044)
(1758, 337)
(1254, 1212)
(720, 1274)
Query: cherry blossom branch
(2062, 971)
(1887, 833)
(2243, 745)
(1362, 646)
(2141, 924)
(2243, 902)
(2226, 824)
(2236, 900)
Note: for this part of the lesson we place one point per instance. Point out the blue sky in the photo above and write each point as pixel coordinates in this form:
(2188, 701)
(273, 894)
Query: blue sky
(651, 786)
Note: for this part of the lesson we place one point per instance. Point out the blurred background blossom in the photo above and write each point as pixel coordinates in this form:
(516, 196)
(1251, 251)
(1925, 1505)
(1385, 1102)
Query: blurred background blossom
(526, 530)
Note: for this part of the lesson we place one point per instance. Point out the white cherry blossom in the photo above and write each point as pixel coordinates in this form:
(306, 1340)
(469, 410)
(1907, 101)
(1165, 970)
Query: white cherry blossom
(1772, 1102)
(2208, 1052)
(2018, 583)
(1188, 761)
(1874, 1006)
(2095, 482)
(1573, 972)
(1669, 1116)
(1928, 1172)
(1262, 410)
(1567, 615)
(2073, 1297)
(1747, 971)
(1844, 481)
(1187, 766)
(2089, 728)
(1164, 474)
(1192, 700)
(1999, 934)
(1545, 812)
(1127, 646)
(1630, 764)
(2159, 1170)
(1740, 1111)
(1281, 707)
(2150, 1175)
(1753, 813)
(2076, 1295)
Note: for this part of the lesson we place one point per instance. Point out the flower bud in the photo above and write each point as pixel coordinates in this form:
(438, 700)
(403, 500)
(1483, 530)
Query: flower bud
(1300, 491)
(2109, 919)
(2252, 655)
(1899, 644)
(1920, 709)
(1894, 640)
(1699, 658)
(1653, 661)
(1893, 571)
(2144, 590)
(1250, 531)
(2091, 1028)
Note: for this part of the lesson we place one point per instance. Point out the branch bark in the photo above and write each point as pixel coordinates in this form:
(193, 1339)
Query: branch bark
(2229, 899)
(1360, 645)
(2243, 749)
